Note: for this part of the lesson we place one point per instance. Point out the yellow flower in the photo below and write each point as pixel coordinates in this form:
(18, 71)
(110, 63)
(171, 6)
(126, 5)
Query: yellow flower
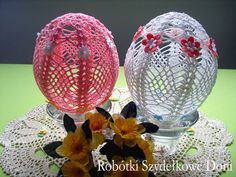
(97, 139)
(127, 131)
(147, 146)
(97, 122)
(74, 169)
(75, 147)
(136, 171)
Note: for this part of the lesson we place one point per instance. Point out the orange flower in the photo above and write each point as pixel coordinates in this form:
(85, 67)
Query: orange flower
(75, 147)
(74, 169)
(97, 122)
(97, 139)
(147, 146)
(127, 131)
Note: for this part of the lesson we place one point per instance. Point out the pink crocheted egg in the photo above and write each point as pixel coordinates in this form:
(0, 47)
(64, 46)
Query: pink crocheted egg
(75, 62)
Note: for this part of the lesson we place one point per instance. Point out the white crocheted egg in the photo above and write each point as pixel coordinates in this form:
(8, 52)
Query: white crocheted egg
(170, 66)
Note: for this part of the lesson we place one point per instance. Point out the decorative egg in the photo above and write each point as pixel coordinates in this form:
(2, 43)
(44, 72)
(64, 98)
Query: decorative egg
(170, 67)
(75, 62)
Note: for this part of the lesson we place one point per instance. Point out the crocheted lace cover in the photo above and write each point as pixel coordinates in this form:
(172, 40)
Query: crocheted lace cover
(75, 57)
(21, 143)
(167, 82)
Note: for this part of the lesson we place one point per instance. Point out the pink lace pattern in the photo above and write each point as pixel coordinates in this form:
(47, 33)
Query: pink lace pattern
(75, 62)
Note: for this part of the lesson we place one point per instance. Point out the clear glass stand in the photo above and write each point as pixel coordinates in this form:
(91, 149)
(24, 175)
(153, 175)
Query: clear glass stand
(169, 132)
(165, 139)
(58, 115)
(54, 113)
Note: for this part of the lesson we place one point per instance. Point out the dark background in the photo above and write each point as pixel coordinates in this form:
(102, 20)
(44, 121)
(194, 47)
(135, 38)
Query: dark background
(20, 20)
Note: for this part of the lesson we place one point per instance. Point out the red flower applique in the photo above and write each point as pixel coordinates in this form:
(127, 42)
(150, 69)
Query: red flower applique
(151, 42)
(137, 34)
(211, 45)
(191, 47)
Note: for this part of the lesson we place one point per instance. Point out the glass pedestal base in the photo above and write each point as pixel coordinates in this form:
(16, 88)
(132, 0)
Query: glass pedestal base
(58, 115)
(167, 137)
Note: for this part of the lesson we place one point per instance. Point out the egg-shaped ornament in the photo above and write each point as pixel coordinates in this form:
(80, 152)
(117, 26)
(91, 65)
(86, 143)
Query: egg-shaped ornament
(170, 68)
(75, 63)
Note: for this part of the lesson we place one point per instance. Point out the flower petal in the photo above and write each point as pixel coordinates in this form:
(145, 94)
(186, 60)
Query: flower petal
(147, 148)
(141, 129)
(153, 49)
(191, 39)
(189, 53)
(144, 41)
(146, 49)
(97, 139)
(197, 44)
(87, 115)
(84, 160)
(130, 142)
(158, 42)
(118, 140)
(117, 116)
(74, 169)
(149, 36)
(184, 42)
(60, 151)
(97, 122)
(157, 37)
(196, 53)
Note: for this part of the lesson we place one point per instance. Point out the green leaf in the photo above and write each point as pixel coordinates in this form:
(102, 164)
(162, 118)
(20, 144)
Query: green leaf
(149, 127)
(86, 129)
(95, 173)
(50, 149)
(110, 149)
(104, 113)
(69, 123)
(130, 110)
(151, 174)
(136, 152)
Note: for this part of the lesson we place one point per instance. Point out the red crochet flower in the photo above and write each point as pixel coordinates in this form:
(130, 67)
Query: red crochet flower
(191, 47)
(151, 42)
(211, 45)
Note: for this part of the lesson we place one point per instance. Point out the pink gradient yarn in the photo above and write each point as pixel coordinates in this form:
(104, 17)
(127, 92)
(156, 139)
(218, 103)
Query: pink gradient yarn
(75, 62)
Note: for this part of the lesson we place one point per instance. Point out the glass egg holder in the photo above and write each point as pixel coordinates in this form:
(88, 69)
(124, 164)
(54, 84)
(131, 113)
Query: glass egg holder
(58, 115)
(170, 131)
(167, 136)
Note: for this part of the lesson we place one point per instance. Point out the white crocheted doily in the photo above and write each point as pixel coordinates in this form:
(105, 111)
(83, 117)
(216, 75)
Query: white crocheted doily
(22, 143)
